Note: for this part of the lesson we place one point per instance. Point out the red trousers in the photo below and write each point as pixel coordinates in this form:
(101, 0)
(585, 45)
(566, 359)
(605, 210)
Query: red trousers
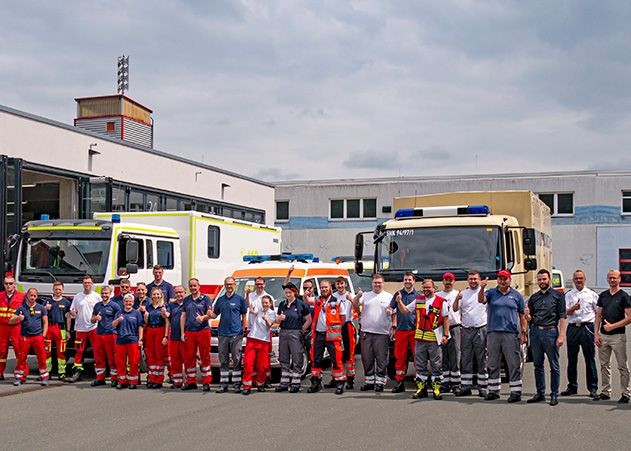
(198, 340)
(8, 332)
(37, 343)
(80, 342)
(58, 337)
(349, 340)
(255, 357)
(177, 356)
(156, 354)
(404, 344)
(104, 347)
(127, 354)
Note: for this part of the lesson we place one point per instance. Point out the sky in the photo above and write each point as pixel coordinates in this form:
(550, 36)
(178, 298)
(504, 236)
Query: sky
(332, 89)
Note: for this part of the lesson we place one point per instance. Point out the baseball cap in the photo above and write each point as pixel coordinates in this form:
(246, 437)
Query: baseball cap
(504, 273)
(449, 276)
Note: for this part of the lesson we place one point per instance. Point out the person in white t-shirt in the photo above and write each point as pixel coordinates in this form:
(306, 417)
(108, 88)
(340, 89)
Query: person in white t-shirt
(375, 321)
(254, 298)
(81, 311)
(256, 355)
(472, 336)
(580, 303)
(451, 351)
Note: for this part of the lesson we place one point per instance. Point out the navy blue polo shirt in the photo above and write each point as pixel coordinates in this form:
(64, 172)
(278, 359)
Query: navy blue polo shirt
(230, 309)
(33, 322)
(167, 290)
(58, 310)
(119, 300)
(175, 311)
(155, 316)
(127, 330)
(503, 310)
(108, 313)
(405, 321)
(295, 314)
(192, 308)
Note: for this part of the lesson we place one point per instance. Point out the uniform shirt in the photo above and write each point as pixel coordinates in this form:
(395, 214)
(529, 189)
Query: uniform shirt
(613, 307)
(58, 310)
(145, 302)
(588, 300)
(374, 316)
(119, 300)
(9, 304)
(108, 313)
(450, 297)
(348, 305)
(154, 316)
(192, 308)
(405, 321)
(546, 308)
(167, 289)
(84, 305)
(33, 323)
(472, 312)
(258, 328)
(175, 312)
(230, 309)
(295, 314)
(127, 330)
(504, 310)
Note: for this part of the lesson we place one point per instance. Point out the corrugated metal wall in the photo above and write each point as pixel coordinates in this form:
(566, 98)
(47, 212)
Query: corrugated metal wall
(99, 125)
(138, 133)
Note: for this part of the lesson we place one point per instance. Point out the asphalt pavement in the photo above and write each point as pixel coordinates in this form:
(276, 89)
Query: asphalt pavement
(77, 416)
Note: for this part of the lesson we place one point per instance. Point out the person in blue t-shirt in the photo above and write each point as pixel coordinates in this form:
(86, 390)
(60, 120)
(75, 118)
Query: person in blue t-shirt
(105, 340)
(195, 331)
(402, 331)
(168, 292)
(506, 332)
(129, 332)
(177, 348)
(231, 308)
(58, 332)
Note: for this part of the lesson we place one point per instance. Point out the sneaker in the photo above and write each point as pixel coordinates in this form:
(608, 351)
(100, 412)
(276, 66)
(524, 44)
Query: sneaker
(44, 383)
(206, 387)
(114, 384)
(246, 391)
(17, 382)
(281, 388)
(568, 392)
(593, 393)
(399, 387)
(624, 399)
(222, 389)
(514, 397)
(97, 383)
(76, 377)
(268, 384)
(602, 397)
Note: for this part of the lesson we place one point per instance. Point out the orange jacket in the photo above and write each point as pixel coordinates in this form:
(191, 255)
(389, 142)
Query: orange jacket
(9, 306)
(333, 317)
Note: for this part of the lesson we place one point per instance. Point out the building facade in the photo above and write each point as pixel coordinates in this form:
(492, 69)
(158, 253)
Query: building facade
(591, 213)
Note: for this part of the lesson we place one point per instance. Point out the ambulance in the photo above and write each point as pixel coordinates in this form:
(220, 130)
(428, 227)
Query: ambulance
(274, 269)
(113, 246)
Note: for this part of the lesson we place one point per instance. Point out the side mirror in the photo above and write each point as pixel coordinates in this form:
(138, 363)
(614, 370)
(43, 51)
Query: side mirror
(529, 242)
(359, 247)
(359, 268)
(131, 252)
(530, 264)
(131, 268)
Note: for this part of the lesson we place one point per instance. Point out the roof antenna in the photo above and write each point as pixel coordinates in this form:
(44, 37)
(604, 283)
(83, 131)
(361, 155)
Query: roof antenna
(123, 74)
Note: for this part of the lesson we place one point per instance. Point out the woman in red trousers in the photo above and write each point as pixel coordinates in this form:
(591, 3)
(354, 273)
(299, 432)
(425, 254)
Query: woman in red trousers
(129, 330)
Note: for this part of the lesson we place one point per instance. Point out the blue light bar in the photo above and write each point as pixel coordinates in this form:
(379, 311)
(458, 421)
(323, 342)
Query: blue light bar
(478, 210)
(286, 257)
(443, 211)
(405, 213)
(44, 217)
(116, 218)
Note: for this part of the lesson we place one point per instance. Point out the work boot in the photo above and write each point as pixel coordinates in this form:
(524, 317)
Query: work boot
(350, 383)
(446, 387)
(339, 388)
(463, 392)
(330, 384)
(281, 388)
(114, 384)
(421, 391)
(436, 386)
(294, 388)
(399, 387)
(367, 387)
(61, 377)
(316, 386)
(76, 377)
(190, 386)
(96, 383)
(268, 384)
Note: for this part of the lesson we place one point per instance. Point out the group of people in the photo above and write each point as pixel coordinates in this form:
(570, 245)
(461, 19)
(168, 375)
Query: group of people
(448, 333)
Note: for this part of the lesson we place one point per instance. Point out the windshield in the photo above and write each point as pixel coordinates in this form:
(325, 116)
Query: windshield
(64, 259)
(433, 250)
(273, 286)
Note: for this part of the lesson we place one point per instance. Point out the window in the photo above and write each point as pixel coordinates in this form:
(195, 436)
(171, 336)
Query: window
(136, 201)
(213, 242)
(152, 202)
(282, 210)
(353, 209)
(626, 202)
(624, 262)
(165, 254)
(561, 204)
(149, 254)
(118, 198)
(110, 126)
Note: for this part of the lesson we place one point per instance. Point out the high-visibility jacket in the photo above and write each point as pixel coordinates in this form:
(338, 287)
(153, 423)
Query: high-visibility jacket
(8, 307)
(333, 312)
(428, 319)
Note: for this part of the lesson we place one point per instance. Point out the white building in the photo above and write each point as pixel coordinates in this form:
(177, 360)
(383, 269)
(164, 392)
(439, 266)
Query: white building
(591, 213)
(48, 167)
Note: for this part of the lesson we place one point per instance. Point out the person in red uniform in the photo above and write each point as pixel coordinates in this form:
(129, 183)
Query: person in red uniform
(58, 334)
(177, 348)
(328, 319)
(156, 338)
(33, 322)
(10, 300)
(129, 331)
(105, 339)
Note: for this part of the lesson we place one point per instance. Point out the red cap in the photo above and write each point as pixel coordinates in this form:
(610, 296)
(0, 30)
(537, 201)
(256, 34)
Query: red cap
(449, 276)
(504, 273)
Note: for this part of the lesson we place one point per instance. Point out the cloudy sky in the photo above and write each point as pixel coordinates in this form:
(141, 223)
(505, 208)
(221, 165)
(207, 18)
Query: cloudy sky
(329, 89)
